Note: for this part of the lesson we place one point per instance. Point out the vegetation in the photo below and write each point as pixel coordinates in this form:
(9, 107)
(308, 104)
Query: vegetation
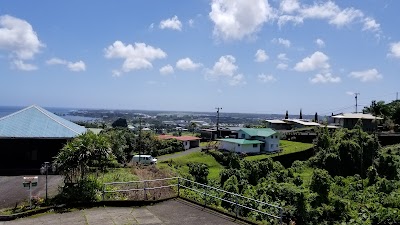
(390, 113)
(288, 147)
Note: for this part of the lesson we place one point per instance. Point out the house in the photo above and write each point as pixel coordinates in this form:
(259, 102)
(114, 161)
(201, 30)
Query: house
(278, 124)
(187, 141)
(349, 120)
(301, 123)
(252, 140)
(212, 133)
(32, 136)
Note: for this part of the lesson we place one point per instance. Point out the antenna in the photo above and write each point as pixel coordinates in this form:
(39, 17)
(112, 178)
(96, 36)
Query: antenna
(356, 95)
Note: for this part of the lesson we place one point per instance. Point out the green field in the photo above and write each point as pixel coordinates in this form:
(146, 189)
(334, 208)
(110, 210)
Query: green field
(180, 164)
(288, 148)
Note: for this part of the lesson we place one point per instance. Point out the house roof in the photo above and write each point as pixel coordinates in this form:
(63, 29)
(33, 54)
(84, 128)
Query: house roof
(356, 116)
(261, 132)
(180, 138)
(36, 122)
(276, 121)
(241, 141)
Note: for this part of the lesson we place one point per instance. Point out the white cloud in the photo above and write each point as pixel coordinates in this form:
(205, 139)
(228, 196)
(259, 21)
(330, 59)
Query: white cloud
(137, 56)
(317, 60)
(346, 17)
(394, 50)
(367, 75)
(325, 78)
(350, 92)
(151, 27)
(282, 66)
(191, 22)
(261, 56)
(320, 43)
(225, 68)
(283, 57)
(77, 66)
(172, 23)
(284, 19)
(281, 41)
(19, 64)
(116, 73)
(165, 70)
(73, 66)
(371, 25)
(18, 37)
(266, 78)
(289, 6)
(238, 19)
(187, 64)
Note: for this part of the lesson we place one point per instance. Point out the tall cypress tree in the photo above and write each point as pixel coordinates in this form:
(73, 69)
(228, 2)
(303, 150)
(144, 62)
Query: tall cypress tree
(316, 117)
(287, 115)
(301, 115)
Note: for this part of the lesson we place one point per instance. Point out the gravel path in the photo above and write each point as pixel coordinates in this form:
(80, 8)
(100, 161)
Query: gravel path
(179, 154)
(12, 190)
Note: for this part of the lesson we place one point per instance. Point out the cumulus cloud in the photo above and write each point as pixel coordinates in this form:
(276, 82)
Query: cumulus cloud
(261, 56)
(21, 65)
(284, 19)
(264, 78)
(320, 43)
(371, 25)
(18, 37)
(73, 66)
(317, 60)
(187, 64)
(394, 50)
(136, 56)
(239, 19)
(289, 6)
(171, 23)
(165, 70)
(325, 78)
(281, 41)
(191, 22)
(282, 66)
(282, 57)
(226, 68)
(346, 17)
(366, 75)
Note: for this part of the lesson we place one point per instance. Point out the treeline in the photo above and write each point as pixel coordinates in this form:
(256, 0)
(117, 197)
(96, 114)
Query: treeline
(390, 112)
(350, 180)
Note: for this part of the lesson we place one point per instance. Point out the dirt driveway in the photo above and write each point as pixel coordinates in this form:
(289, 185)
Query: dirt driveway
(12, 191)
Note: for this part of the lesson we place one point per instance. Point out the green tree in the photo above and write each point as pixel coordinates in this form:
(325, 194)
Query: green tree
(199, 171)
(84, 151)
(120, 122)
(287, 115)
(301, 115)
(321, 183)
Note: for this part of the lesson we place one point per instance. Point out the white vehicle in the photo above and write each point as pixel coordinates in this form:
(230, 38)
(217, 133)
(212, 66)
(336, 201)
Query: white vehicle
(144, 159)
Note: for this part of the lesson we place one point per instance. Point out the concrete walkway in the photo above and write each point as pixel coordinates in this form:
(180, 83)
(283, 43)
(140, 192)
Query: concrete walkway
(179, 154)
(171, 212)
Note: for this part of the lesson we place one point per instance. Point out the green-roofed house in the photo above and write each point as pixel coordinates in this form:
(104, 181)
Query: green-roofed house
(252, 140)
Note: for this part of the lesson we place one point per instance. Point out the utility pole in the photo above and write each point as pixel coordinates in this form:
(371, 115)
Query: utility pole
(356, 96)
(218, 133)
(397, 96)
(140, 137)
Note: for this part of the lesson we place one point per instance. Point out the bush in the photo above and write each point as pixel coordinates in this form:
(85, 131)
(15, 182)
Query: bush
(86, 190)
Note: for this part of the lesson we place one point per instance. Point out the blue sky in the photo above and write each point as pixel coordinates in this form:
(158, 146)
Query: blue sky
(252, 56)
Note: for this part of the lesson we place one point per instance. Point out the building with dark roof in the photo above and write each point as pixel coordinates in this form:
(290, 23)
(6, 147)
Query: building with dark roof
(32, 136)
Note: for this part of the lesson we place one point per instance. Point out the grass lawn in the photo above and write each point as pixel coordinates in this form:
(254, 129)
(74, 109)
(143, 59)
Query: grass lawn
(288, 148)
(180, 164)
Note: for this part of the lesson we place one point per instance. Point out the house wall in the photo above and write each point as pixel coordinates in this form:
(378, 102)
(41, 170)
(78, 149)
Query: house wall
(278, 126)
(186, 145)
(239, 148)
(271, 142)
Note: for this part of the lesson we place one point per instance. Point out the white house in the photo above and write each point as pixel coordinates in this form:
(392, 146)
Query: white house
(252, 140)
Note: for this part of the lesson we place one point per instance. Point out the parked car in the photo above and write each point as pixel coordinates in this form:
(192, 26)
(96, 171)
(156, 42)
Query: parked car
(144, 159)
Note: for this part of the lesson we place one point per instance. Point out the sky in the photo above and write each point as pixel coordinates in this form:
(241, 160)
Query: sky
(251, 56)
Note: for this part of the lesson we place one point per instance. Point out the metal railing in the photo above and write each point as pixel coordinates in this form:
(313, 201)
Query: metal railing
(205, 191)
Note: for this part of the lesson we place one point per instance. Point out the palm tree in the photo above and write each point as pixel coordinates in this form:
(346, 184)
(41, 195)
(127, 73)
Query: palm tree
(193, 125)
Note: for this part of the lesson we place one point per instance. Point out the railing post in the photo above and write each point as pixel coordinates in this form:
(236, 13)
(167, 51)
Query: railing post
(236, 206)
(280, 216)
(144, 190)
(104, 191)
(179, 184)
(205, 196)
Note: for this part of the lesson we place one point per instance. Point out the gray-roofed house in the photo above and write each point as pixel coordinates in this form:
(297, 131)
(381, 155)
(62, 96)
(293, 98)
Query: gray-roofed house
(32, 136)
(349, 120)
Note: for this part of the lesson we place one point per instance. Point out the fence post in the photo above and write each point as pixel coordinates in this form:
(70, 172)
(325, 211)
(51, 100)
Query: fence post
(144, 190)
(179, 184)
(236, 206)
(104, 191)
(205, 195)
(280, 215)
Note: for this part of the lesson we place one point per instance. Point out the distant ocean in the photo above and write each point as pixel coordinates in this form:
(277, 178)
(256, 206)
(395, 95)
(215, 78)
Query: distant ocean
(63, 112)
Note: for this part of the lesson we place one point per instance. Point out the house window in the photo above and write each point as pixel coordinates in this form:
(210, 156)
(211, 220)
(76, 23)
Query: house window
(272, 145)
(255, 145)
(239, 145)
(272, 137)
(243, 136)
